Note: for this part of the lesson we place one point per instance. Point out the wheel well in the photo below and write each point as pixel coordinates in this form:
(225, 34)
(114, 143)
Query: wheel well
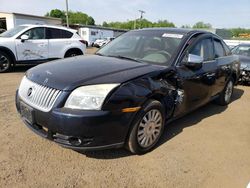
(77, 50)
(158, 97)
(10, 53)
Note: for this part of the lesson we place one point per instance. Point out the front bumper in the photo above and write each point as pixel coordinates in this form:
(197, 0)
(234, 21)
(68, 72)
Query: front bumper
(78, 129)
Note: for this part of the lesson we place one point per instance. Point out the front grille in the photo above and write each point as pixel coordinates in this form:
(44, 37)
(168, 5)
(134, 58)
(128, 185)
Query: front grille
(38, 96)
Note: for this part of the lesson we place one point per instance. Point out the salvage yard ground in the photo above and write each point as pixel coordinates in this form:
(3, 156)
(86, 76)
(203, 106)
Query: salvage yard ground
(207, 148)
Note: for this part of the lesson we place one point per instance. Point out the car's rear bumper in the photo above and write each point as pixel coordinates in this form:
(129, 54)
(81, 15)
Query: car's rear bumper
(80, 130)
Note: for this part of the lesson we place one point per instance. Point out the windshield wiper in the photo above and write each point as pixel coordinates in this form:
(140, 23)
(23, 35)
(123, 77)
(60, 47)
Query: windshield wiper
(124, 57)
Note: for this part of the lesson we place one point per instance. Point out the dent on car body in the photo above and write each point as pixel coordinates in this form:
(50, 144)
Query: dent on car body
(159, 85)
(28, 53)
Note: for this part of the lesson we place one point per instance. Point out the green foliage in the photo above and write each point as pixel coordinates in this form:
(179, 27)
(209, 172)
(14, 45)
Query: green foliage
(56, 13)
(237, 31)
(74, 17)
(202, 25)
(136, 24)
(186, 26)
(163, 23)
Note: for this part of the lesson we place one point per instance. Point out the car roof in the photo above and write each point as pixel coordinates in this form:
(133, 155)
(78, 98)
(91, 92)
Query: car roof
(182, 31)
(50, 26)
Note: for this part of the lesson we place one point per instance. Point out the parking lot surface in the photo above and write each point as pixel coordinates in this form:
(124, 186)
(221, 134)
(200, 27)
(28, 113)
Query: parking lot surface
(207, 148)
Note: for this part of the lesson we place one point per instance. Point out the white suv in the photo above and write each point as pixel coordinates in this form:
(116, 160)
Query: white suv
(38, 43)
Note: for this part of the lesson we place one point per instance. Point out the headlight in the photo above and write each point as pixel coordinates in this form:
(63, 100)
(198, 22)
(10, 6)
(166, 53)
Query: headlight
(89, 97)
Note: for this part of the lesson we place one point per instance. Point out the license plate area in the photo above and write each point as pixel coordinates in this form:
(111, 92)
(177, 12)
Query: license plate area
(27, 113)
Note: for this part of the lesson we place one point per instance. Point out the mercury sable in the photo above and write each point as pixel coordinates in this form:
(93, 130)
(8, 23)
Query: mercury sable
(126, 93)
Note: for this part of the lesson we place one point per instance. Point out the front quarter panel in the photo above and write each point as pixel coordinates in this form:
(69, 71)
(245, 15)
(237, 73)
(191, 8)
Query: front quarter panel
(136, 92)
(8, 44)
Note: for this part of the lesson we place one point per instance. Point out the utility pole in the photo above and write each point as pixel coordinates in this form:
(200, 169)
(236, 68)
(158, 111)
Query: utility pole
(135, 23)
(142, 12)
(67, 13)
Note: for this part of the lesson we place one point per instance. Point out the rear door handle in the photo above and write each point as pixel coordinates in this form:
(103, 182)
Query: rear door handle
(42, 45)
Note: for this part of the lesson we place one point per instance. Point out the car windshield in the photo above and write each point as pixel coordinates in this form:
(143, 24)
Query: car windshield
(242, 50)
(154, 47)
(12, 32)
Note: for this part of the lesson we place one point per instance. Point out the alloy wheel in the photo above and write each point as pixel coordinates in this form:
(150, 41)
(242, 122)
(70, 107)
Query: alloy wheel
(149, 128)
(4, 63)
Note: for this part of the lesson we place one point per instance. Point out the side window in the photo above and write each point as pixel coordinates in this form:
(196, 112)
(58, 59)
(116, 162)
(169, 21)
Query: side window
(66, 34)
(204, 48)
(58, 33)
(36, 33)
(218, 48)
(53, 33)
(227, 49)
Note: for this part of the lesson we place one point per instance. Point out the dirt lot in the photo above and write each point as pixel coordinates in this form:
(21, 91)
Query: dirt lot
(208, 148)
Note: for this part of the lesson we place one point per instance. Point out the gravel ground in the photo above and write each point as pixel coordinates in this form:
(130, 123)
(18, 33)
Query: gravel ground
(207, 148)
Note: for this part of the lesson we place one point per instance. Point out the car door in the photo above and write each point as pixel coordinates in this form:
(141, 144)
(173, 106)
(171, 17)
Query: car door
(223, 61)
(196, 83)
(35, 47)
(59, 41)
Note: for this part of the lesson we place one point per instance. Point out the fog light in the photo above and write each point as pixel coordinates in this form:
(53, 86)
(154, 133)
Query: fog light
(75, 141)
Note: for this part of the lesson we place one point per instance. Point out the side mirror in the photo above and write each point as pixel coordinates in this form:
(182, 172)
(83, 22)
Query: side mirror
(194, 61)
(24, 38)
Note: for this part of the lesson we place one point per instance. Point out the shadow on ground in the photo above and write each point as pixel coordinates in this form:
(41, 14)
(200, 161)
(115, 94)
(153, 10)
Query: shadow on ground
(172, 130)
(20, 68)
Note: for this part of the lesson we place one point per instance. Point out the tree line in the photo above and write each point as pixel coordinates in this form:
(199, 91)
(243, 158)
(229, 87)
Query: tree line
(82, 18)
(74, 17)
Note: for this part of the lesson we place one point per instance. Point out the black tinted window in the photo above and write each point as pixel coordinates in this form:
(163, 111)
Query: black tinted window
(58, 33)
(66, 34)
(204, 48)
(219, 50)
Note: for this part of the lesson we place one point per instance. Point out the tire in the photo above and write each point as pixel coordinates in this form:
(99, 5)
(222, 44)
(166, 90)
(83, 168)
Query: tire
(73, 53)
(146, 131)
(5, 62)
(226, 95)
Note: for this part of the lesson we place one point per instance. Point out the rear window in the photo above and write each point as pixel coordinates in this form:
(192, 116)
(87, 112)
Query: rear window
(58, 34)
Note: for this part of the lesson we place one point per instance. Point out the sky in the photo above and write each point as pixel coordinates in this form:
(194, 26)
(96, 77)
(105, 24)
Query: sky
(219, 13)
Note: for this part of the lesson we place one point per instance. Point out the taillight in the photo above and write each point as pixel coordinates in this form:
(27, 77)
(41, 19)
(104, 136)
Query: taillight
(84, 42)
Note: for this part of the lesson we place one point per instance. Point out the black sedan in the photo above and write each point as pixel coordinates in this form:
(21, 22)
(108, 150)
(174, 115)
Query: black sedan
(243, 50)
(129, 90)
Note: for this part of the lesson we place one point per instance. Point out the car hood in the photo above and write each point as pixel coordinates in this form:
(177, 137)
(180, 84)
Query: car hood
(5, 39)
(67, 74)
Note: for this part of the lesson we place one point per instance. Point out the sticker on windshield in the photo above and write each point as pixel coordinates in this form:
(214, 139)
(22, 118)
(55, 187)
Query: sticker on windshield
(171, 35)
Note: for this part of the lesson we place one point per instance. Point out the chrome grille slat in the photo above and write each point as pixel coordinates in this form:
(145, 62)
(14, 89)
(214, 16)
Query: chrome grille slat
(47, 97)
(54, 97)
(36, 97)
(42, 97)
(50, 97)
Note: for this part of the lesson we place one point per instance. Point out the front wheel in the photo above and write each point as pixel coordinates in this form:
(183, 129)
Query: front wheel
(147, 128)
(226, 95)
(5, 62)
